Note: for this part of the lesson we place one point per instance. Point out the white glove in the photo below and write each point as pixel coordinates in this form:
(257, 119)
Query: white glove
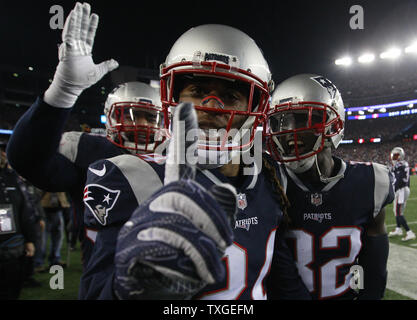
(76, 70)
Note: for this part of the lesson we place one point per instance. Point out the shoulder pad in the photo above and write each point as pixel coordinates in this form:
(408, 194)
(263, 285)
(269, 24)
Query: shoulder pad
(68, 146)
(141, 175)
(383, 191)
(404, 163)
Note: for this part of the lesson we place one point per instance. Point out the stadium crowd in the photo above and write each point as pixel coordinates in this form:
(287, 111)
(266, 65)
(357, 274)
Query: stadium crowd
(359, 87)
(385, 128)
(377, 152)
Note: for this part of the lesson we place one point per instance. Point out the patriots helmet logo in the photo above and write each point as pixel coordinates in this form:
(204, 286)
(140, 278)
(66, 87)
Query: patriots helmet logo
(326, 83)
(100, 200)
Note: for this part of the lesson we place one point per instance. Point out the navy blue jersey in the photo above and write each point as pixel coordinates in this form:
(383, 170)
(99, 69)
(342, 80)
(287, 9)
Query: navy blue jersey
(401, 172)
(53, 161)
(116, 187)
(328, 224)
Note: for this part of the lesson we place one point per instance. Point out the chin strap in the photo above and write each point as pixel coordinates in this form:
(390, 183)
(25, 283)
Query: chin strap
(326, 179)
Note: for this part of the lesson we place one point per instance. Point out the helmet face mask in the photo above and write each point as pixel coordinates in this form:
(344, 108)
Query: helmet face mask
(257, 98)
(135, 126)
(214, 52)
(306, 115)
(135, 120)
(298, 131)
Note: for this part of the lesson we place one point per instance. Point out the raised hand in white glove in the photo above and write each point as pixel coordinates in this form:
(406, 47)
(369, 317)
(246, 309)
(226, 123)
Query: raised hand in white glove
(76, 70)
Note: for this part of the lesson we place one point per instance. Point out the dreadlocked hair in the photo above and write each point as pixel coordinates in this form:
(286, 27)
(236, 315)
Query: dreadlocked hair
(277, 189)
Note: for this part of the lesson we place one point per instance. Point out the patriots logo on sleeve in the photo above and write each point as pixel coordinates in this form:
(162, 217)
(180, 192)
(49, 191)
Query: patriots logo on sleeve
(100, 200)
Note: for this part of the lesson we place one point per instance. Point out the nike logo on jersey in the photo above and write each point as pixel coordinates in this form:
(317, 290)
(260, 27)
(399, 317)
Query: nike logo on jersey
(100, 173)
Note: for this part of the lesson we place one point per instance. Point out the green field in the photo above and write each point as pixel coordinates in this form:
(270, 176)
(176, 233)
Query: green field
(73, 272)
(72, 275)
(410, 216)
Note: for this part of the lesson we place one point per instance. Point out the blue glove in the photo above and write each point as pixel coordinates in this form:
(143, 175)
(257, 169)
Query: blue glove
(173, 244)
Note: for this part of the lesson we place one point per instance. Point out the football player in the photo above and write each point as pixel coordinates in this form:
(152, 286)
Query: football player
(59, 161)
(401, 171)
(161, 236)
(337, 213)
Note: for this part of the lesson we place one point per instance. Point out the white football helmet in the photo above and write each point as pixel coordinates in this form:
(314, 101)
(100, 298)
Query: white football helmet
(227, 53)
(306, 113)
(397, 154)
(135, 118)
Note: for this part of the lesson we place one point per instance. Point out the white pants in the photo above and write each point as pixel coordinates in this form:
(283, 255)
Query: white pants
(400, 201)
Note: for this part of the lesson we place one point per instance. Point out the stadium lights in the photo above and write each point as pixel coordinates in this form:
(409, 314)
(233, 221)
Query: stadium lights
(103, 118)
(366, 58)
(30, 68)
(412, 48)
(411, 105)
(345, 61)
(361, 112)
(392, 53)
